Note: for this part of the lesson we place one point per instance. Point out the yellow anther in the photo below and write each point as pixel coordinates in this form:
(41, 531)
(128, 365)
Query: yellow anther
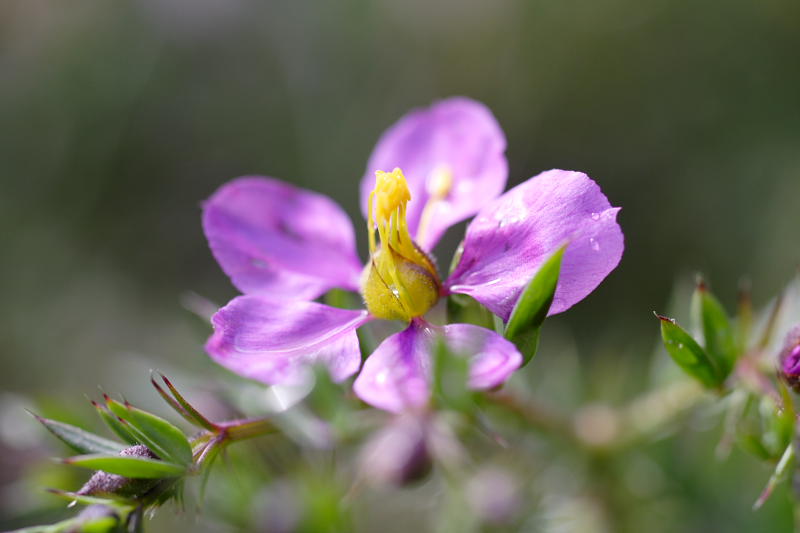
(391, 193)
(400, 281)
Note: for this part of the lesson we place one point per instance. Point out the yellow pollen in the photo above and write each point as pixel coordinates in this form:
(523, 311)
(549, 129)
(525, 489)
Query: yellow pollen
(400, 281)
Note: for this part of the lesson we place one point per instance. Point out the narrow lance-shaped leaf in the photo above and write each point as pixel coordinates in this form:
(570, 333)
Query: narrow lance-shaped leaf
(190, 410)
(688, 355)
(166, 440)
(782, 470)
(131, 467)
(115, 425)
(78, 439)
(82, 498)
(524, 325)
(720, 341)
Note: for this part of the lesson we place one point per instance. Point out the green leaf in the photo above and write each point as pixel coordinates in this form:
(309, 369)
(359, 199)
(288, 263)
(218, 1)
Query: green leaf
(720, 340)
(524, 325)
(688, 355)
(115, 425)
(131, 467)
(81, 498)
(781, 472)
(164, 439)
(78, 439)
(179, 403)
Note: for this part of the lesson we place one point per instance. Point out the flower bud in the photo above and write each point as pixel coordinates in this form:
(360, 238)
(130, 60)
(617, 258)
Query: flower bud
(398, 454)
(790, 359)
(103, 483)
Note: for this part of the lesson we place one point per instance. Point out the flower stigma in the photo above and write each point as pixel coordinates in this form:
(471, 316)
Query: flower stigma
(438, 186)
(400, 281)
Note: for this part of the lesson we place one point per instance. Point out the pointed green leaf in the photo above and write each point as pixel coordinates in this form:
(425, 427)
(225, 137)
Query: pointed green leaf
(720, 341)
(115, 425)
(688, 355)
(164, 439)
(190, 410)
(781, 472)
(132, 467)
(82, 498)
(78, 439)
(526, 319)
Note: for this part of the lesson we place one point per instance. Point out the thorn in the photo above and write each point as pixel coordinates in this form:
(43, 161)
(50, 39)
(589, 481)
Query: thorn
(664, 318)
(107, 398)
(700, 283)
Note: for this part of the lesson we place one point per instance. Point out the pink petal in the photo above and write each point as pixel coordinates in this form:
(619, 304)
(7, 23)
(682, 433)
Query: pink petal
(512, 236)
(396, 377)
(493, 358)
(273, 342)
(457, 133)
(271, 237)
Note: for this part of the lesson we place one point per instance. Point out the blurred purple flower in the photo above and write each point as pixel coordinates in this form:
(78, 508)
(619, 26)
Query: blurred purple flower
(283, 247)
(790, 358)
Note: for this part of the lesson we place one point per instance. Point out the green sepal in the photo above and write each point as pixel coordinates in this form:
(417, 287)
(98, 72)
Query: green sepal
(164, 439)
(79, 440)
(524, 325)
(130, 467)
(688, 355)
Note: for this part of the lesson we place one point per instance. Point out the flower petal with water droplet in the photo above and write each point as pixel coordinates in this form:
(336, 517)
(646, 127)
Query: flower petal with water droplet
(513, 235)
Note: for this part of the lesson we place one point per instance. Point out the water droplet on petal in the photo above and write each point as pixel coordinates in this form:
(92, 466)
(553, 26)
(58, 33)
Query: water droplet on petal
(595, 216)
(594, 244)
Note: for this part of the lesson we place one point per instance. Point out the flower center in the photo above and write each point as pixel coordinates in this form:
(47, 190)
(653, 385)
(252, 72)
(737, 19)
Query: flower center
(400, 282)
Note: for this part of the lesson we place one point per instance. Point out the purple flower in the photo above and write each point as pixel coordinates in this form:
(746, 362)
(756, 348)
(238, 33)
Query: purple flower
(790, 358)
(283, 247)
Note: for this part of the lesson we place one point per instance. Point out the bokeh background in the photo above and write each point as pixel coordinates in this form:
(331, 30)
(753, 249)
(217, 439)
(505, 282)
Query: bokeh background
(118, 118)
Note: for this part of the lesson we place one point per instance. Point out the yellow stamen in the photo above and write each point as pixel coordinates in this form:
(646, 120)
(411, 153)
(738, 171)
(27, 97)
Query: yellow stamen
(400, 281)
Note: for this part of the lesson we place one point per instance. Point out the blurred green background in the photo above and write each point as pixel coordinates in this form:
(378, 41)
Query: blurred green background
(118, 118)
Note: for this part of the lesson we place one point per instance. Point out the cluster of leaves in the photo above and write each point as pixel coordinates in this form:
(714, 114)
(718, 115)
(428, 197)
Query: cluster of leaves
(145, 468)
(729, 358)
